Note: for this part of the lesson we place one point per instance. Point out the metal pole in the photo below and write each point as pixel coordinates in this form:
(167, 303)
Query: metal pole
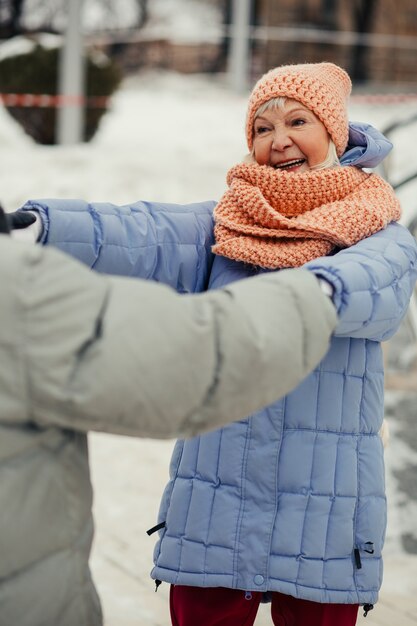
(70, 115)
(239, 45)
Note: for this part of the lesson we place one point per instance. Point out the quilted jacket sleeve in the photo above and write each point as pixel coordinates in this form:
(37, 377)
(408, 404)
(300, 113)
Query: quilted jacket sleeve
(142, 360)
(169, 243)
(373, 282)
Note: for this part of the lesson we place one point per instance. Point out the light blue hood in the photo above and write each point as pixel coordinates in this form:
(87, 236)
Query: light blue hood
(367, 147)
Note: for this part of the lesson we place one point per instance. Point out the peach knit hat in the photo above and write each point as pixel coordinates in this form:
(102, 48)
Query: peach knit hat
(323, 88)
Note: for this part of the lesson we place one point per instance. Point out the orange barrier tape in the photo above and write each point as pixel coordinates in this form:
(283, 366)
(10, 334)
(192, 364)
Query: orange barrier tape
(51, 101)
(56, 101)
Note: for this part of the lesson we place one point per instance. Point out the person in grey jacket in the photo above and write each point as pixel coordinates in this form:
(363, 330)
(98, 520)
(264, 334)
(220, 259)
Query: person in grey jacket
(83, 351)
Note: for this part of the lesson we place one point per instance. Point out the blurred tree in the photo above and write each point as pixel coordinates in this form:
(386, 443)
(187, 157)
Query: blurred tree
(220, 63)
(329, 14)
(10, 16)
(32, 16)
(143, 6)
(363, 15)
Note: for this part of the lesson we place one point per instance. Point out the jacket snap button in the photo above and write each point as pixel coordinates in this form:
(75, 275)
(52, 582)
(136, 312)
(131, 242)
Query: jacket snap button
(258, 580)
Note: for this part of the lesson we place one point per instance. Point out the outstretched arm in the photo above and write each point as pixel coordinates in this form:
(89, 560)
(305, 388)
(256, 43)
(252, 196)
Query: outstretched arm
(372, 281)
(113, 354)
(169, 243)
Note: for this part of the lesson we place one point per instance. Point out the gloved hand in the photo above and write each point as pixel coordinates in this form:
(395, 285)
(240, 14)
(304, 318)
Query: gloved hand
(4, 224)
(23, 225)
(15, 221)
(20, 219)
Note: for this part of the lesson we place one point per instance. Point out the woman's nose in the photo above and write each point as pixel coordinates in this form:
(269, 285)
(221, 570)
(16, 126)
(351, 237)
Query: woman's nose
(281, 140)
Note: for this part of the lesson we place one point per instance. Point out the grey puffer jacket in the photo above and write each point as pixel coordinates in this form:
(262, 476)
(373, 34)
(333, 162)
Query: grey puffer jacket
(87, 352)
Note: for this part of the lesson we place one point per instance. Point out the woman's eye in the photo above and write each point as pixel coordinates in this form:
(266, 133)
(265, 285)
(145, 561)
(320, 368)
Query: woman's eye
(261, 129)
(299, 121)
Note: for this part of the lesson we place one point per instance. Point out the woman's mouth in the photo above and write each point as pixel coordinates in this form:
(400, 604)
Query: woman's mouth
(289, 165)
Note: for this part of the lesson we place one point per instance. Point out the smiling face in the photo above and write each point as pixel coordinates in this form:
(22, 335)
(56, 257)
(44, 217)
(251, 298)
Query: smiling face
(290, 137)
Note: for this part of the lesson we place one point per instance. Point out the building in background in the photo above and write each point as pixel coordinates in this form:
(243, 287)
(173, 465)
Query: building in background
(375, 40)
(387, 27)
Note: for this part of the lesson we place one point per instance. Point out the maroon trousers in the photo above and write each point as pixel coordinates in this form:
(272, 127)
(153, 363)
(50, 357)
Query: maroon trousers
(217, 606)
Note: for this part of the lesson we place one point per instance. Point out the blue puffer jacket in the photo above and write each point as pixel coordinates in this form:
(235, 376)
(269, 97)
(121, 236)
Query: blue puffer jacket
(291, 499)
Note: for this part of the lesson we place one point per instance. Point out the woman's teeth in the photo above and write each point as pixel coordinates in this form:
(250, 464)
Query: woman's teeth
(289, 164)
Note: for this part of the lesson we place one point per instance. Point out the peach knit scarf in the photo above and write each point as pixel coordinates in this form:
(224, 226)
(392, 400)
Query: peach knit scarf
(273, 219)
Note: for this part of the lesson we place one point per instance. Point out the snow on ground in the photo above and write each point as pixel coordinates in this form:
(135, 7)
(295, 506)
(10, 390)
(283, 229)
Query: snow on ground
(166, 137)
